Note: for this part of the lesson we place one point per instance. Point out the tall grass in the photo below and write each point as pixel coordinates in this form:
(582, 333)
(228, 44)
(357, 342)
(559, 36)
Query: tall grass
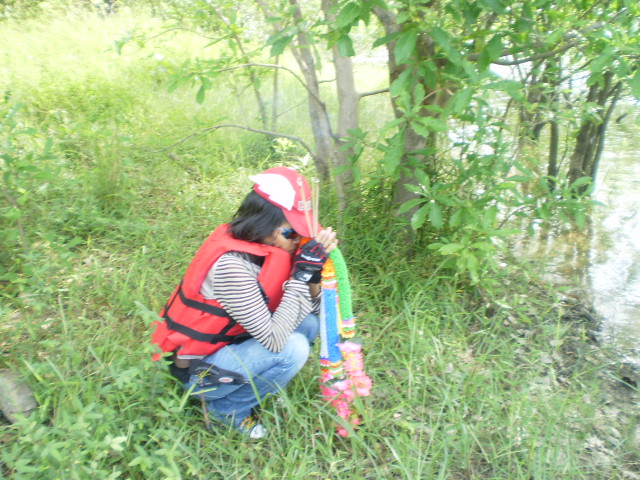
(464, 387)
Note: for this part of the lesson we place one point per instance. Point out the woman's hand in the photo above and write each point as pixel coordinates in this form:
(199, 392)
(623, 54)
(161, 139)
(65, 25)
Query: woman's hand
(327, 238)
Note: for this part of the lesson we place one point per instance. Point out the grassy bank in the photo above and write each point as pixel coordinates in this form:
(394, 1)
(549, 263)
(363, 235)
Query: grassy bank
(507, 384)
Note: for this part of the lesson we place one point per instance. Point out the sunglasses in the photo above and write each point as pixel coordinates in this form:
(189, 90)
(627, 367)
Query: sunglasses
(289, 233)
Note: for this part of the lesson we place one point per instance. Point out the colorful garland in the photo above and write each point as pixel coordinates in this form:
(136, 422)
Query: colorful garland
(341, 363)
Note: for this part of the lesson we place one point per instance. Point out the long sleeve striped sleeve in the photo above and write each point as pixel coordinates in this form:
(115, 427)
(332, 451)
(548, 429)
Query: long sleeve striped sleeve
(233, 282)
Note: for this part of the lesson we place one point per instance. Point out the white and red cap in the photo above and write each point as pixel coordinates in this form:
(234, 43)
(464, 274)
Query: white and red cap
(285, 188)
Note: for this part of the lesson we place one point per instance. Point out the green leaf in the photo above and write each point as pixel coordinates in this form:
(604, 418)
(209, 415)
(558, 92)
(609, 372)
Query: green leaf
(408, 205)
(418, 218)
(603, 61)
(441, 38)
(517, 178)
(206, 83)
(484, 246)
(493, 6)
(554, 37)
(12, 213)
(432, 124)
(422, 178)
(491, 52)
(450, 248)
(435, 215)
(200, 94)
(345, 46)
(405, 45)
(386, 39)
(622, 68)
(456, 218)
(472, 266)
(490, 217)
(460, 101)
(349, 15)
(634, 82)
(580, 182)
(401, 83)
(278, 45)
(421, 130)
(581, 219)
(393, 153)
(357, 133)
(429, 73)
(417, 189)
(511, 87)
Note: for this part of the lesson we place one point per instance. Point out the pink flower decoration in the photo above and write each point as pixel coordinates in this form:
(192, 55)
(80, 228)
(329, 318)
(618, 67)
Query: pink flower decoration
(342, 385)
(342, 392)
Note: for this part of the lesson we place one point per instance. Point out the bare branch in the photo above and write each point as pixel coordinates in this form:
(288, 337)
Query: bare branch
(232, 125)
(153, 37)
(272, 65)
(374, 92)
(539, 56)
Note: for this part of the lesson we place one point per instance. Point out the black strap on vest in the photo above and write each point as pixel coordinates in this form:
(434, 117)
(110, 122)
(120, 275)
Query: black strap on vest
(207, 308)
(204, 307)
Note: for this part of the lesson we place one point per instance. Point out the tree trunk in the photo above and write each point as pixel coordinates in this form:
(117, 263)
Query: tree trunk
(320, 125)
(413, 142)
(590, 137)
(554, 143)
(348, 118)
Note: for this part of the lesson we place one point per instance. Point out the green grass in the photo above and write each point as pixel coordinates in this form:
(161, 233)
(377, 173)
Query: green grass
(465, 386)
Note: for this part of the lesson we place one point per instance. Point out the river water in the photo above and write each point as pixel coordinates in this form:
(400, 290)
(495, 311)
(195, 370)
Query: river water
(604, 258)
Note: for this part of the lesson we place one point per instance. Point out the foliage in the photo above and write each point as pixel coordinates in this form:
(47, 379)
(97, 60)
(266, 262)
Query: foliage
(445, 73)
(452, 65)
(29, 167)
(470, 382)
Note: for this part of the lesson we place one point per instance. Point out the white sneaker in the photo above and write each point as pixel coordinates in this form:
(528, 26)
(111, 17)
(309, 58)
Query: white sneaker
(251, 427)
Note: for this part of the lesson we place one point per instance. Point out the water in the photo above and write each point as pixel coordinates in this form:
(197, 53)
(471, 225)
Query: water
(605, 257)
(613, 268)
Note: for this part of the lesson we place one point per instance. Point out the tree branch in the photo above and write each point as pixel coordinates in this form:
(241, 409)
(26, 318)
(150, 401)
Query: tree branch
(231, 125)
(272, 65)
(540, 56)
(374, 92)
(153, 37)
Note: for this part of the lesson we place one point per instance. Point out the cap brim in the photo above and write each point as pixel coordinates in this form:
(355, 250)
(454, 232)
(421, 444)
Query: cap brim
(298, 221)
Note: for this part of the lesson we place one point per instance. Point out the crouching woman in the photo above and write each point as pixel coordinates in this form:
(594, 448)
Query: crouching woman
(240, 324)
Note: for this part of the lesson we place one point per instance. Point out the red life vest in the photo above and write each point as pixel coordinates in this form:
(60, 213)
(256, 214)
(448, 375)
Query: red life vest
(193, 325)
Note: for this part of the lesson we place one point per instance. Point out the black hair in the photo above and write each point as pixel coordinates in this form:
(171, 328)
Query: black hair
(256, 219)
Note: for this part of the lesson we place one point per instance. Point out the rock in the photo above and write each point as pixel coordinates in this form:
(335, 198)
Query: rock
(15, 396)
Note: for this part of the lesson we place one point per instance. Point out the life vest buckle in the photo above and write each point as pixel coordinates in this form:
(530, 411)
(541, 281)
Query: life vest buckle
(216, 375)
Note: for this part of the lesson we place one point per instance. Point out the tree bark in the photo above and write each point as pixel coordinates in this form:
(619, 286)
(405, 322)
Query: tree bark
(320, 125)
(348, 117)
(591, 134)
(324, 151)
(554, 142)
(413, 142)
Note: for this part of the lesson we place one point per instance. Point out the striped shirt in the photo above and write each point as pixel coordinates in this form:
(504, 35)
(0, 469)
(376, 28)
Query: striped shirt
(233, 281)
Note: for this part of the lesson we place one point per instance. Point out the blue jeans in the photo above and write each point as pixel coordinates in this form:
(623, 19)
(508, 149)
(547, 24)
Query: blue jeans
(267, 371)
